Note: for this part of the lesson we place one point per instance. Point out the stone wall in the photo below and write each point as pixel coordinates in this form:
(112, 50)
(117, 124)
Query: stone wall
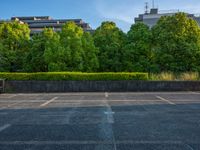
(99, 86)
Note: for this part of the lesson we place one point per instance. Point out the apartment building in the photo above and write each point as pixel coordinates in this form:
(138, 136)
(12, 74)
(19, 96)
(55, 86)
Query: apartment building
(38, 23)
(151, 17)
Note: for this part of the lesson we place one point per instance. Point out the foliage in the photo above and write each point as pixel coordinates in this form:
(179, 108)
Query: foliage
(76, 76)
(90, 59)
(79, 76)
(14, 38)
(170, 76)
(55, 56)
(177, 43)
(163, 76)
(35, 57)
(71, 50)
(189, 76)
(138, 54)
(71, 40)
(172, 45)
(110, 41)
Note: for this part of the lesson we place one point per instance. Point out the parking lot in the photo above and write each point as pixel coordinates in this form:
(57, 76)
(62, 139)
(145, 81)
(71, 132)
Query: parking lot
(100, 121)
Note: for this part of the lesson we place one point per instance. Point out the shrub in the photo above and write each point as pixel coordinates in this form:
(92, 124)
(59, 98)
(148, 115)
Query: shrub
(169, 76)
(189, 76)
(164, 76)
(74, 76)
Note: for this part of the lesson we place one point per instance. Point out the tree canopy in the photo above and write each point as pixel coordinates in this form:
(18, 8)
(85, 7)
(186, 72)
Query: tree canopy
(14, 39)
(69, 50)
(177, 43)
(109, 39)
(138, 54)
(173, 44)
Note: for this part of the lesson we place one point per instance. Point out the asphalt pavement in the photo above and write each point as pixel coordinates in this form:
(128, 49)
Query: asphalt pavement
(100, 121)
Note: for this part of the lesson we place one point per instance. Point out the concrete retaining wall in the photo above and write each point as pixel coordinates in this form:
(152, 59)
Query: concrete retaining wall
(2, 85)
(99, 86)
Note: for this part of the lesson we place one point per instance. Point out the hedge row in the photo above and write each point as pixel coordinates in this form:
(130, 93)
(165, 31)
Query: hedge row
(74, 76)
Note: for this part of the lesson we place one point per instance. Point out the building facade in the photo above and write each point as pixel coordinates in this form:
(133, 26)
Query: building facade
(38, 23)
(152, 17)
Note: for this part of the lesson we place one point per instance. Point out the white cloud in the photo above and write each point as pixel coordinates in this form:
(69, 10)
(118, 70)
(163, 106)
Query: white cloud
(124, 12)
(189, 6)
(192, 8)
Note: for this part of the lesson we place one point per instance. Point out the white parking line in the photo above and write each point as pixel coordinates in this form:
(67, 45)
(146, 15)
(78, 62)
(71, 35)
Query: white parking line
(8, 95)
(14, 104)
(10, 105)
(11, 96)
(194, 92)
(106, 94)
(22, 101)
(94, 101)
(88, 142)
(163, 99)
(4, 127)
(47, 102)
(63, 94)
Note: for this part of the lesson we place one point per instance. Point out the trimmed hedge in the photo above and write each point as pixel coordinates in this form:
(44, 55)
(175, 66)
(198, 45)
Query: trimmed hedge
(74, 76)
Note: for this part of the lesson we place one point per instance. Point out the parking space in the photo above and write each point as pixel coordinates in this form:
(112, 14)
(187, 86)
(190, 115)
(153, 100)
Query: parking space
(100, 121)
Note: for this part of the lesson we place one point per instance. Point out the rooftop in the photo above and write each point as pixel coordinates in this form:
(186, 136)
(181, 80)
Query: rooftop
(38, 23)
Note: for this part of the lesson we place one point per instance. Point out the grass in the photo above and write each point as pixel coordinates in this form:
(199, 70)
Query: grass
(169, 76)
(190, 76)
(109, 76)
(74, 76)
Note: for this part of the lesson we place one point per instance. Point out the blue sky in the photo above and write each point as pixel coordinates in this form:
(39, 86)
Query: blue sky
(92, 11)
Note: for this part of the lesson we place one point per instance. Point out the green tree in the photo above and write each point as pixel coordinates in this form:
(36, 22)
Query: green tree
(14, 38)
(71, 40)
(56, 57)
(35, 57)
(69, 50)
(110, 41)
(138, 53)
(177, 43)
(90, 59)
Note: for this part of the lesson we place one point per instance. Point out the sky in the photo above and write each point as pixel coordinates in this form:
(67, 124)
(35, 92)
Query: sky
(94, 12)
